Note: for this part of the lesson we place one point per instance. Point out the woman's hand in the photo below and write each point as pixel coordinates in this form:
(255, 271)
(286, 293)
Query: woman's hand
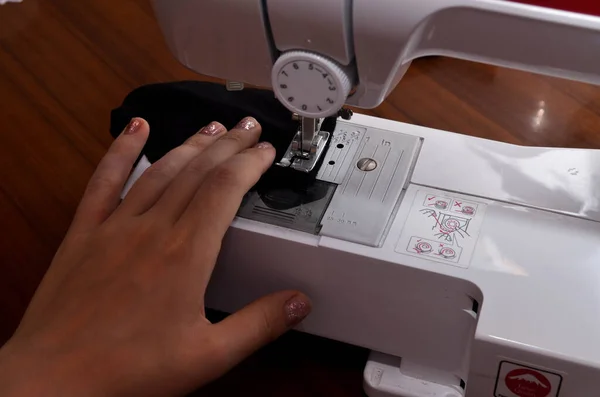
(120, 311)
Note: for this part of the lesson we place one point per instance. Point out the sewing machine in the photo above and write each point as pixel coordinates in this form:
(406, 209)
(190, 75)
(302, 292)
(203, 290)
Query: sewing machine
(468, 267)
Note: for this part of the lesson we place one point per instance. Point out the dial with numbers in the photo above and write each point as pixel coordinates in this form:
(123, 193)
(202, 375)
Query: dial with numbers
(309, 84)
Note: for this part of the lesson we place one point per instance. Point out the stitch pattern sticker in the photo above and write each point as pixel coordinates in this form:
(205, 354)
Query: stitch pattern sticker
(442, 228)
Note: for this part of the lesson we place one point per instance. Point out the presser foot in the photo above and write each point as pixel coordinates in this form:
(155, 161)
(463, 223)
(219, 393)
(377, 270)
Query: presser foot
(307, 147)
(303, 161)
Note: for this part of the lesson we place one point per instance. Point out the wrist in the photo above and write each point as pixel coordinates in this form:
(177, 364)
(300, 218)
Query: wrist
(20, 374)
(25, 372)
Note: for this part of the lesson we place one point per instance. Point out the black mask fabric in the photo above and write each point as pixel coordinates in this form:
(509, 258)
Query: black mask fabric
(177, 110)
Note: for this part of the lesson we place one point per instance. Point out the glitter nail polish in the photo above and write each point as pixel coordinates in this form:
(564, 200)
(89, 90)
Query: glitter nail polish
(296, 310)
(247, 124)
(212, 129)
(264, 145)
(133, 126)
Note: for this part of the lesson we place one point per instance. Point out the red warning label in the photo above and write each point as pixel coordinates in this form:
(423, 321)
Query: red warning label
(580, 6)
(516, 380)
(527, 382)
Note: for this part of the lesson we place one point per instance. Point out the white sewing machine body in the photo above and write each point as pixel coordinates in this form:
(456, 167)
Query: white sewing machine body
(468, 266)
(521, 286)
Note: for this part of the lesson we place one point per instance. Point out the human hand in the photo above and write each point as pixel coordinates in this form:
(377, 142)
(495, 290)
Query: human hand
(120, 311)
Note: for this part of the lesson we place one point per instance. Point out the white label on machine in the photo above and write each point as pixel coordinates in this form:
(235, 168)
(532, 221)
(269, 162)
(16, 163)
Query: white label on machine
(442, 227)
(516, 380)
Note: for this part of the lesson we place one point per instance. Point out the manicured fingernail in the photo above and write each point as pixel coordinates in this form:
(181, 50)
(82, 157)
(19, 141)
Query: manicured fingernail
(247, 124)
(264, 145)
(212, 129)
(133, 126)
(296, 310)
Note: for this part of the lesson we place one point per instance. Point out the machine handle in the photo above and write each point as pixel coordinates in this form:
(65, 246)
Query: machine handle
(497, 32)
(503, 33)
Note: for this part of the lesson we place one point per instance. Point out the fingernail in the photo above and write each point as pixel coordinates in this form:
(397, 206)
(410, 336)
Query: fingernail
(247, 124)
(264, 145)
(133, 126)
(212, 129)
(296, 310)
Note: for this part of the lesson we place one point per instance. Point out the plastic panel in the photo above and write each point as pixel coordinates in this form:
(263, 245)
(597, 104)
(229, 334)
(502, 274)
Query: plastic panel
(321, 26)
(227, 39)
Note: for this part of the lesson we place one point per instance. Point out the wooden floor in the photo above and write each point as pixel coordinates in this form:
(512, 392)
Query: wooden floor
(65, 64)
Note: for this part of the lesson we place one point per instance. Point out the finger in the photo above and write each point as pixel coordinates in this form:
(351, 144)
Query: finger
(102, 194)
(218, 199)
(156, 179)
(184, 187)
(256, 325)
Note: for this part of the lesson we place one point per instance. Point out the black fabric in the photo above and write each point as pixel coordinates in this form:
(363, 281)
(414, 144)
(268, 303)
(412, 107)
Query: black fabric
(175, 111)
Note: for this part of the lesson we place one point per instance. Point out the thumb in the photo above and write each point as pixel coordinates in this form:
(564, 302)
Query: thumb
(258, 324)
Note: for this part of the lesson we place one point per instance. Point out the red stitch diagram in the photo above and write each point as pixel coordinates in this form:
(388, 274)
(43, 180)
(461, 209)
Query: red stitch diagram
(464, 207)
(454, 205)
(438, 202)
(441, 227)
(447, 253)
(449, 226)
(424, 247)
